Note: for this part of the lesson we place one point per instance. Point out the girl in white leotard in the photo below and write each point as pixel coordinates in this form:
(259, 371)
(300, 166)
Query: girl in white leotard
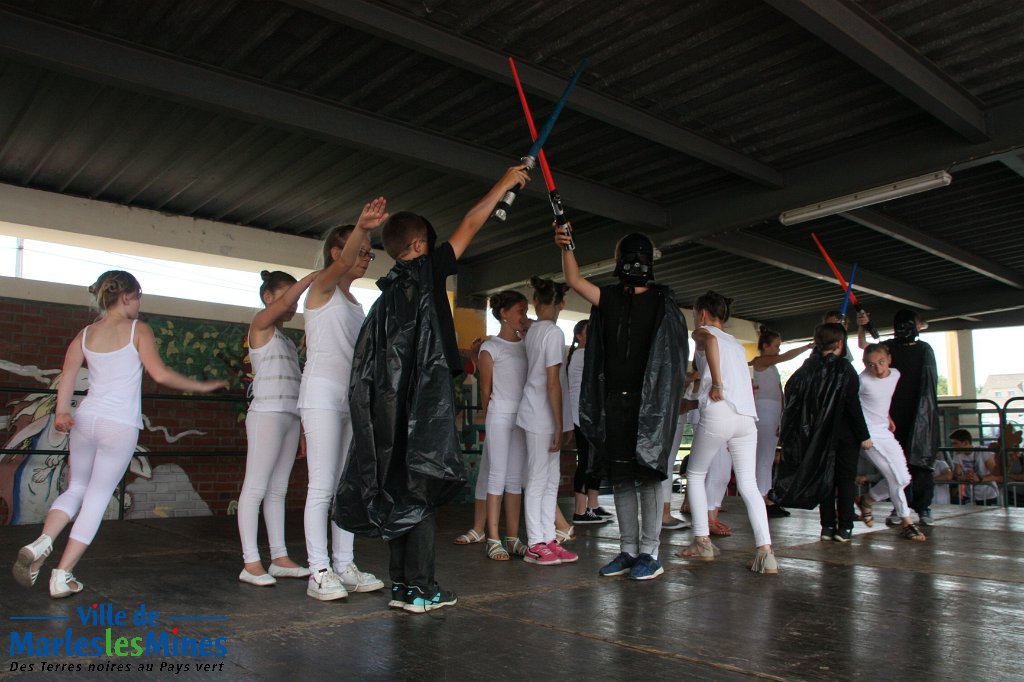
(333, 318)
(768, 401)
(105, 428)
(272, 429)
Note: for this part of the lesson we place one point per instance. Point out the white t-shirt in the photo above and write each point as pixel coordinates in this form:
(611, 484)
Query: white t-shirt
(509, 374)
(736, 387)
(978, 463)
(575, 381)
(875, 396)
(545, 344)
(941, 495)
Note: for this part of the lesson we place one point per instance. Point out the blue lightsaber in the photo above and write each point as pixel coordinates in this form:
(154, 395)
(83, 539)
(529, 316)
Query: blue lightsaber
(530, 160)
(849, 290)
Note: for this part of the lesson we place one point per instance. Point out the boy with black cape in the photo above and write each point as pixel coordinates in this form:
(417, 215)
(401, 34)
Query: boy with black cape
(633, 377)
(822, 434)
(406, 459)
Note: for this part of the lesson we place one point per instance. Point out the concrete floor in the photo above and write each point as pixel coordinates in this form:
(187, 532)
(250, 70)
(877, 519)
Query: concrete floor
(881, 608)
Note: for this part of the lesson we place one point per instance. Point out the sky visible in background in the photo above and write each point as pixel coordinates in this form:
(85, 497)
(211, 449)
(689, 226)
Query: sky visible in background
(996, 351)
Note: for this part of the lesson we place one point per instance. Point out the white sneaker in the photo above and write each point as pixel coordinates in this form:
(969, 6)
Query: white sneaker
(325, 586)
(355, 580)
(64, 584)
(40, 548)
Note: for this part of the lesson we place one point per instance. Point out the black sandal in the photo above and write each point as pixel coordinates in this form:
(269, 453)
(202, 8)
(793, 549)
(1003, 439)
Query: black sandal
(912, 532)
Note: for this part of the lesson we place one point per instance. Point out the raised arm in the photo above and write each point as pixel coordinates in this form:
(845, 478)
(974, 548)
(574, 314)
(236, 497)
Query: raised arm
(481, 211)
(763, 362)
(73, 359)
(863, 319)
(571, 269)
(161, 373)
(373, 214)
(267, 318)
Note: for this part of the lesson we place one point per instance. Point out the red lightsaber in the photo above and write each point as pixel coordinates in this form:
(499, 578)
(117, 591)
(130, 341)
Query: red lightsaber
(843, 283)
(553, 195)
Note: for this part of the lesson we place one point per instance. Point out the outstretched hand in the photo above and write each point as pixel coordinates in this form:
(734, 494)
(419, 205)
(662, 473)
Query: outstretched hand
(374, 213)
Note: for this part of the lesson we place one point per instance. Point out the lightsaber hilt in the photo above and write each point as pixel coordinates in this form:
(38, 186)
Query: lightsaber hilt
(502, 209)
(869, 328)
(561, 219)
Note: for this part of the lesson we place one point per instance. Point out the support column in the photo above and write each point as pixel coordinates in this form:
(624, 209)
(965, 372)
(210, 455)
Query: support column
(968, 386)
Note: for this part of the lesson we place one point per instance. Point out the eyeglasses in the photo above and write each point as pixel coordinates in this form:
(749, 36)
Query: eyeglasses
(365, 253)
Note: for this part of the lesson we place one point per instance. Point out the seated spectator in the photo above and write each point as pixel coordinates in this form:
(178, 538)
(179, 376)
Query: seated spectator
(942, 474)
(979, 469)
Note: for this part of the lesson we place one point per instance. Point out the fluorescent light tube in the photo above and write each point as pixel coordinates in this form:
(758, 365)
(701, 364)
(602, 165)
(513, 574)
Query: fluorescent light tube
(875, 195)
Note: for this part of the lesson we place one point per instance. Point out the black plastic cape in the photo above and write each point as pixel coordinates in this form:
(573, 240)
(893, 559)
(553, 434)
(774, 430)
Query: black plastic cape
(405, 458)
(808, 434)
(661, 393)
(921, 439)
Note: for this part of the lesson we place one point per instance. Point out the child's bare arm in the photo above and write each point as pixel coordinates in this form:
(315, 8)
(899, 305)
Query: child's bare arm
(571, 269)
(73, 360)
(478, 215)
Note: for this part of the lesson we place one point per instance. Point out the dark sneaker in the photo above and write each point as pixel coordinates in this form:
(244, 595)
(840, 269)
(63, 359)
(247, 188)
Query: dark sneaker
(587, 517)
(620, 565)
(925, 518)
(893, 519)
(601, 511)
(398, 591)
(646, 567)
(776, 512)
(827, 532)
(417, 601)
(844, 535)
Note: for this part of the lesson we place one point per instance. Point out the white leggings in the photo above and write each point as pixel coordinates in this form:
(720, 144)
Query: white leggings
(501, 466)
(717, 482)
(887, 456)
(769, 416)
(272, 439)
(328, 437)
(720, 424)
(101, 451)
(541, 488)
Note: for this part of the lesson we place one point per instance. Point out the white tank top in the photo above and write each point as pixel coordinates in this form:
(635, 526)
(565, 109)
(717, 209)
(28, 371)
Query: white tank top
(736, 387)
(115, 383)
(331, 332)
(875, 396)
(509, 375)
(275, 386)
(769, 385)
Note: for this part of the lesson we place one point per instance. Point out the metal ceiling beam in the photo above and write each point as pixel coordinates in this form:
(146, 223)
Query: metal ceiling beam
(408, 31)
(994, 307)
(1015, 163)
(118, 64)
(811, 264)
(914, 153)
(897, 229)
(848, 28)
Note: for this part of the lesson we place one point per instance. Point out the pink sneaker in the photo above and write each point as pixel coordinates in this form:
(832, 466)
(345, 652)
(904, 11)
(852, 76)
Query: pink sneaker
(564, 555)
(541, 555)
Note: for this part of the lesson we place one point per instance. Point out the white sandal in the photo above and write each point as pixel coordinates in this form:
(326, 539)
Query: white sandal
(564, 536)
(64, 584)
(470, 537)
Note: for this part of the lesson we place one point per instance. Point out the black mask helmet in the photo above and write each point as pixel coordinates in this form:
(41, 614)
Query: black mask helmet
(904, 325)
(634, 259)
